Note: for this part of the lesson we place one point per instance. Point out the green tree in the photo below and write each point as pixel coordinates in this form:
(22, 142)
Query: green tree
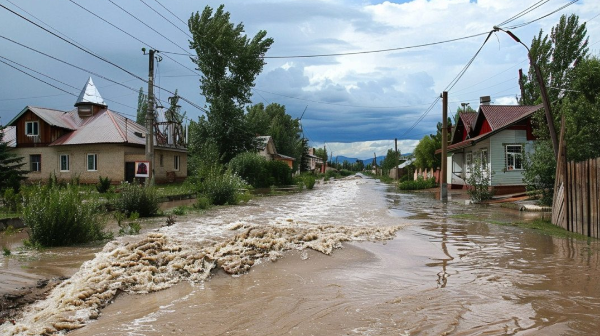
(142, 108)
(11, 173)
(425, 156)
(391, 160)
(321, 153)
(459, 110)
(229, 61)
(274, 121)
(359, 165)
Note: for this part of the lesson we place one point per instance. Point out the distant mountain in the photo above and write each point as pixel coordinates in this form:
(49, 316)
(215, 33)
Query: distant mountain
(341, 158)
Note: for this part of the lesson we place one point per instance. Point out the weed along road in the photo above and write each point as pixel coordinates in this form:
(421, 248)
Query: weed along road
(351, 257)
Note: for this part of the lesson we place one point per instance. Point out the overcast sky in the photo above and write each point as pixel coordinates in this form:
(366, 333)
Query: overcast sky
(355, 104)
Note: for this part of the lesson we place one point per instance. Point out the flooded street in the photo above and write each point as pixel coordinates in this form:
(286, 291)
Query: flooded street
(408, 265)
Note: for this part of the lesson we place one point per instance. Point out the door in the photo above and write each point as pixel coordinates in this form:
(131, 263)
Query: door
(129, 171)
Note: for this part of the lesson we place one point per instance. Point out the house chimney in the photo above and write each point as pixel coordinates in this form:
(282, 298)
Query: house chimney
(484, 100)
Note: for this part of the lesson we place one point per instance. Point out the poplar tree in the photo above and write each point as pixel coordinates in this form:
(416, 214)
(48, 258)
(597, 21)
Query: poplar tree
(229, 61)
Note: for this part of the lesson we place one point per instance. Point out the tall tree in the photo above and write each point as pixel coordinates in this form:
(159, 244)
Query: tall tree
(142, 108)
(274, 121)
(391, 159)
(424, 153)
(229, 61)
(11, 173)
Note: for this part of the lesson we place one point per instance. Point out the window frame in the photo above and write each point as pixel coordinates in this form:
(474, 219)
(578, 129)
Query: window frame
(514, 155)
(60, 162)
(35, 125)
(39, 163)
(176, 163)
(468, 162)
(87, 161)
(484, 158)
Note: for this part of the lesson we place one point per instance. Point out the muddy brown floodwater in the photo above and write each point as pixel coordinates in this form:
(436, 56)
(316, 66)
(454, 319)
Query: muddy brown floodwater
(408, 265)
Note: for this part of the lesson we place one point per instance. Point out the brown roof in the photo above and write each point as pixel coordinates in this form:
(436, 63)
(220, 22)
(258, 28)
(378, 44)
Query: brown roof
(468, 119)
(499, 116)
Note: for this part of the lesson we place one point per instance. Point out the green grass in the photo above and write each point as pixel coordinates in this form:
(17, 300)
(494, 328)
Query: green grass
(465, 216)
(546, 227)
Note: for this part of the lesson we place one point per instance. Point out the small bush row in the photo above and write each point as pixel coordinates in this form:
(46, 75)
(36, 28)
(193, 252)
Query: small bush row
(419, 183)
(260, 173)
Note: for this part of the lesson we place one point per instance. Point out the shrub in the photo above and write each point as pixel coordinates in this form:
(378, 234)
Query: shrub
(331, 174)
(202, 202)
(137, 198)
(221, 188)
(252, 168)
(279, 173)
(58, 217)
(179, 211)
(345, 172)
(419, 183)
(11, 200)
(479, 182)
(104, 185)
(309, 181)
(132, 227)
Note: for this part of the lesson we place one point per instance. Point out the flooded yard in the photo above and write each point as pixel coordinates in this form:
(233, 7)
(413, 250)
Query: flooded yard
(351, 257)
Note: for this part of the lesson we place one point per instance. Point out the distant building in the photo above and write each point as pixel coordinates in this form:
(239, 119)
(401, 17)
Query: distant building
(88, 142)
(267, 150)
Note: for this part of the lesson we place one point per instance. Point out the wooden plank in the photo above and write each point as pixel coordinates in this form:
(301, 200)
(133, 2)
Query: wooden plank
(594, 198)
(578, 203)
(569, 200)
(585, 199)
(597, 197)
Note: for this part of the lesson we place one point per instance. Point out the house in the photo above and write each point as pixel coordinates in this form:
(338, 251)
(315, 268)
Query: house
(497, 137)
(91, 141)
(266, 149)
(315, 163)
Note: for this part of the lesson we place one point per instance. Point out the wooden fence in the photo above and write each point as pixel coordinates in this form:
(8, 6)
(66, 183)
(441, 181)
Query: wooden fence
(576, 200)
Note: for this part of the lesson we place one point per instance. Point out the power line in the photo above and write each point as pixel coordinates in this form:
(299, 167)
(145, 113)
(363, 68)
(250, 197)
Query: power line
(378, 51)
(541, 17)
(129, 34)
(174, 25)
(171, 12)
(497, 74)
(464, 69)
(147, 25)
(39, 79)
(523, 12)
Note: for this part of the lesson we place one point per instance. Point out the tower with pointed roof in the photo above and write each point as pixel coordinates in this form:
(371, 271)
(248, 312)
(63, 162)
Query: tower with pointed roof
(90, 101)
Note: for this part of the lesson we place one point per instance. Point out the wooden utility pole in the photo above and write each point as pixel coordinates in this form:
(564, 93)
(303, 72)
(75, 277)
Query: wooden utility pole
(444, 171)
(522, 86)
(397, 158)
(375, 162)
(150, 114)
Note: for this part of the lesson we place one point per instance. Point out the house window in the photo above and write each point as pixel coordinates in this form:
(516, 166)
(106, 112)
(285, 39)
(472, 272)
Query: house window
(469, 161)
(32, 128)
(176, 163)
(64, 162)
(160, 160)
(514, 157)
(92, 162)
(35, 162)
(484, 158)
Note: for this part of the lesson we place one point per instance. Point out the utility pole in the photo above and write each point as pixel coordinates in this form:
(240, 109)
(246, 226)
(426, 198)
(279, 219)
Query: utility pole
(543, 91)
(150, 113)
(375, 162)
(397, 158)
(522, 86)
(443, 172)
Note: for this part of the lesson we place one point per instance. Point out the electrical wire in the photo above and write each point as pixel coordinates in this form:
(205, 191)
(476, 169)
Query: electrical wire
(174, 25)
(147, 25)
(523, 12)
(541, 17)
(130, 35)
(39, 79)
(497, 74)
(171, 12)
(466, 67)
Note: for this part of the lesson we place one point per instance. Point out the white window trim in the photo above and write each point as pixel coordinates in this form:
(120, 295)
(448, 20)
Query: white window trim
(27, 123)
(87, 161)
(176, 163)
(468, 162)
(486, 161)
(60, 167)
(506, 154)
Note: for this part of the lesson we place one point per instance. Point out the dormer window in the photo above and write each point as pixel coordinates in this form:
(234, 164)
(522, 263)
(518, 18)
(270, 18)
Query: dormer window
(32, 128)
(84, 110)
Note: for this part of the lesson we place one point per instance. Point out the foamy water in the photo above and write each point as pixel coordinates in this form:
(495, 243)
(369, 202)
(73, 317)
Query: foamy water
(191, 250)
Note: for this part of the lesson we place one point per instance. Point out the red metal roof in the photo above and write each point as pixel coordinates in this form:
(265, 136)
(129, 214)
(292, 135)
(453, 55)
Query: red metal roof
(468, 119)
(499, 116)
